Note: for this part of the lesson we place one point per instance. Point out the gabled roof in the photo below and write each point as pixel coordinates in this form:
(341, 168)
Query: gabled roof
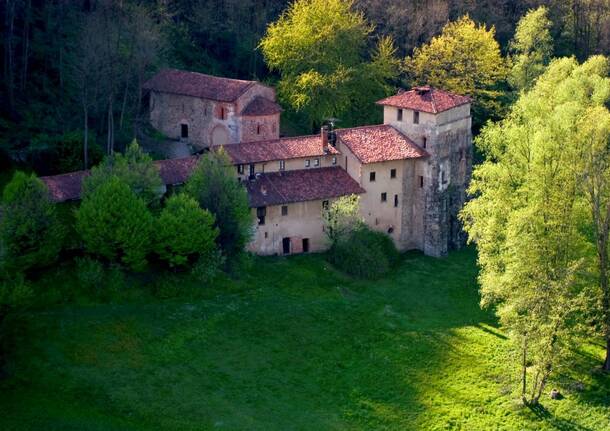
(261, 106)
(67, 187)
(425, 99)
(278, 188)
(278, 149)
(197, 85)
(380, 143)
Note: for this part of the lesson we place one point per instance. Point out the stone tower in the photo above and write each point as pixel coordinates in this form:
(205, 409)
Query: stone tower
(440, 123)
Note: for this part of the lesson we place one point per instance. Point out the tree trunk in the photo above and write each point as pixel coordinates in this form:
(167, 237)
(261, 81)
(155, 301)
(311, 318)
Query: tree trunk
(524, 371)
(607, 362)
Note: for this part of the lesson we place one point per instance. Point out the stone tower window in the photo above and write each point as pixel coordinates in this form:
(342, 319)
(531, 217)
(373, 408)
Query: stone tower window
(372, 177)
(415, 117)
(184, 131)
(395, 201)
(258, 129)
(392, 173)
(284, 210)
(425, 141)
(421, 181)
(384, 197)
(399, 115)
(222, 113)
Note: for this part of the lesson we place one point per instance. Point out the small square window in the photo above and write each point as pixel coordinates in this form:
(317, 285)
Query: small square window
(395, 200)
(384, 197)
(415, 117)
(421, 181)
(392, 173)
(316, 162)
(325, 205)
(284, 210)
(372, 177)
(399, 115)
(282, 165)
(334, 160)
(307, 163)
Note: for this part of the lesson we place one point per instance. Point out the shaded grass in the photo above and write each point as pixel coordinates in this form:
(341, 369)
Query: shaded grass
(292, 344)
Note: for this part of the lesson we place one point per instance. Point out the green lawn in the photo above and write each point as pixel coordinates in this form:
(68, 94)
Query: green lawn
(293, 345)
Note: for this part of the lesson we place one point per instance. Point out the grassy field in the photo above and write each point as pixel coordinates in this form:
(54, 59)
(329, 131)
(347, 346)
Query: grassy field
(292, 345)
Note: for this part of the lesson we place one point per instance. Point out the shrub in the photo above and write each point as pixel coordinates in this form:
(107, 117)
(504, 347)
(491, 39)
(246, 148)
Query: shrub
(90, 273)
(213, 185)
(135, 168)
(364, 253)
(30, 233)
(184, 230)
(115, 223)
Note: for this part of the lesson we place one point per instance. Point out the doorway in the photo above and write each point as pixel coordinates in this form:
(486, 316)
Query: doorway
(305, 245)
(184, 131)
(286, 245)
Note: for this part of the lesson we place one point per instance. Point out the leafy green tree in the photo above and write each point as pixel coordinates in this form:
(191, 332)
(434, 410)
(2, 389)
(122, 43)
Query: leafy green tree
(526, 217)
(115, 223)
(30, 232)
(465, 58)
(589, 86)
(532, 48)
(341, 217)
(214, 186)
(135, 168)
(319, 49)
(184, 230)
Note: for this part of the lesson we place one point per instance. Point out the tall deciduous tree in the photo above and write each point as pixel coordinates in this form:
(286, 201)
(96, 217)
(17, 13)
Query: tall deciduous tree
(30, 232)
(526, 217)
(319, 49)
(114, 223)
(465, 58)
(214, 186)
(532, 48)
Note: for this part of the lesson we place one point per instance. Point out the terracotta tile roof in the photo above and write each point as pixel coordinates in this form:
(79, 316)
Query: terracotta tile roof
(278, 149)
(277, 188)
(425, 99)
(176, 171)
(197, 85)
(261, 106)
(66, 187)
(380, 143)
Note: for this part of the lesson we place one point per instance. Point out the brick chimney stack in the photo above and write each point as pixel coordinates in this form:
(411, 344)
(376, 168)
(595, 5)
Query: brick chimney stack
(324, 136)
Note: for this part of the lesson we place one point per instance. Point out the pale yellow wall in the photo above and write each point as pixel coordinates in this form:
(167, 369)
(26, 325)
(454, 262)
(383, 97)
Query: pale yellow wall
(304, 220)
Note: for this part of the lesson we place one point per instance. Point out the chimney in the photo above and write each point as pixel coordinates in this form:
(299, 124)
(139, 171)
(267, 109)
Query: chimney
(422, 89)
(324, 136)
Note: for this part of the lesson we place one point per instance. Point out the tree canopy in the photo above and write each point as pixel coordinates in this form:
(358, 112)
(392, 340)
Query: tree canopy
(465, 58)
(319, 47)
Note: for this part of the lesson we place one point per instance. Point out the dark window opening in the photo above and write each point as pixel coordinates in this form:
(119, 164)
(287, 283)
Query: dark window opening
(391, 230)
(261, 212)
(421, 181)
(425, 141)
(443, 177)
(392, 173)
(325, 205)
(384, 197)
(266, 235)
(222, 113)
(284, 210)
(316, 162)
(399, 115)
(396, 200)
(286, 245)
(334, 160)
(240, 169)
(415, 117)
(372, 177)
(305, 245)
(252, 171)
(307, 163)
(184, 131)
(258, 129)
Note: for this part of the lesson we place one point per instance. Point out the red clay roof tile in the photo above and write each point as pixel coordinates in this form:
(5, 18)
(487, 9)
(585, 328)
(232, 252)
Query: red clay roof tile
(380, 143)
(425, 99)
(278, 149)
(261, 106)
(277, 188)
(197, 85)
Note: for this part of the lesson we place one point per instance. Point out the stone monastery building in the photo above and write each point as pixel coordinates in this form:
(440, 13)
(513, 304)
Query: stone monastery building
(411, 172)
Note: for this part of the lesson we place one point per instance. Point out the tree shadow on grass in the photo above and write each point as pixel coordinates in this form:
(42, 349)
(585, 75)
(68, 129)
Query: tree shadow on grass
(561, 424)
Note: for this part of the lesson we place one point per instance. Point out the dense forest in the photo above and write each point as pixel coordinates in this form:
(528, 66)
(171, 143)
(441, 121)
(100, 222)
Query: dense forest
(73, 69)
